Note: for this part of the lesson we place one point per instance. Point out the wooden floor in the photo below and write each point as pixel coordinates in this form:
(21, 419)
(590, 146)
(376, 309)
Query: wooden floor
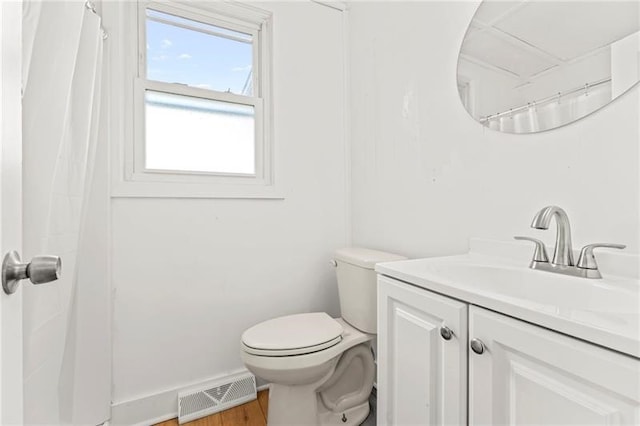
(252, 413)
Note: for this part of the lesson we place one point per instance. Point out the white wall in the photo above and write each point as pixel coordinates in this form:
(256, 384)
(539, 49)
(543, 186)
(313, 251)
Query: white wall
(190, 275)
(426, 176)
(625, 63)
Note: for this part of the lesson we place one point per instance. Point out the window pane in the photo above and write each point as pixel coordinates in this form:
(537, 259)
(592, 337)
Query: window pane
(198, 135)
(200, 55)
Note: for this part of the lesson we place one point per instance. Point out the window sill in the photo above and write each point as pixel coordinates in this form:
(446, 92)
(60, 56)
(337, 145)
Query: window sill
(132, 189)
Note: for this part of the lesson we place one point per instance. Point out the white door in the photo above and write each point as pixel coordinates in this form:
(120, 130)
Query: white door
(422, 356)
(10, 206)
(528, 375)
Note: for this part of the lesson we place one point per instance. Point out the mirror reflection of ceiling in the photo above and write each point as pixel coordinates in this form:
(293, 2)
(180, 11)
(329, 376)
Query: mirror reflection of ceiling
(538, 49)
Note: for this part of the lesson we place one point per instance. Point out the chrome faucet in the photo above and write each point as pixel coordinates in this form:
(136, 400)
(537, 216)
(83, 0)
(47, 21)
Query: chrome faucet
(562, 262)
(563, 252)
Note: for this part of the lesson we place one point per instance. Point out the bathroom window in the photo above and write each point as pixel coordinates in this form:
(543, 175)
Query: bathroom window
(202, 100)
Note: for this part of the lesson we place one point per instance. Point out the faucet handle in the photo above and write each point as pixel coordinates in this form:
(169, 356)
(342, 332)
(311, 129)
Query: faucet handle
(540, 255)
(587, 260)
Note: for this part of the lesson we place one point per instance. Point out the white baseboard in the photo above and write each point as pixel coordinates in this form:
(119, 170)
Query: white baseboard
(158, 407)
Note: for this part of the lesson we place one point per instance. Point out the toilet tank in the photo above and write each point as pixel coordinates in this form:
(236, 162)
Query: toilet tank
(357, 286)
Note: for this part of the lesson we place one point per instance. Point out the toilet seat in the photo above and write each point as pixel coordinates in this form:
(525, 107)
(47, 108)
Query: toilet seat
(293, 335)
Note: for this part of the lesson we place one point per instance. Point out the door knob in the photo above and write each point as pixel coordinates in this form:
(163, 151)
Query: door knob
(41, 269)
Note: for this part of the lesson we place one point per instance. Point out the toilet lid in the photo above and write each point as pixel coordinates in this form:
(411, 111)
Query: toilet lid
(293, 335)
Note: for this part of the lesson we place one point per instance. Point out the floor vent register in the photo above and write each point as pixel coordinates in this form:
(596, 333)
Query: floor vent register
(215, 397)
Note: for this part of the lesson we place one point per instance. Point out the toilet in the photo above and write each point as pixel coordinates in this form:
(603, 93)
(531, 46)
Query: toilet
(322, 369)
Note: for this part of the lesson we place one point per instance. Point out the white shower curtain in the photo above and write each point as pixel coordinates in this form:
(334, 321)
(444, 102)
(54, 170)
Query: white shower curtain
(61, 100)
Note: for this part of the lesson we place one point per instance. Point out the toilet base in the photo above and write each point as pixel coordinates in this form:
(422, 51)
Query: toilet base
(299, 406)
(354, 416)
(292, 405)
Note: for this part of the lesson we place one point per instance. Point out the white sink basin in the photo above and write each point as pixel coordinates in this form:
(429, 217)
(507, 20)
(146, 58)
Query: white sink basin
(543, 288)
(603, 311)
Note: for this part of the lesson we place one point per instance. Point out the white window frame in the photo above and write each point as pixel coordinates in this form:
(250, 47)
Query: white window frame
(131, 177)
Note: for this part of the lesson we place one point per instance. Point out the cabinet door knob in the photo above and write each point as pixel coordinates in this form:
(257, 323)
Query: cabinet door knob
(446, 332)
(477, 346)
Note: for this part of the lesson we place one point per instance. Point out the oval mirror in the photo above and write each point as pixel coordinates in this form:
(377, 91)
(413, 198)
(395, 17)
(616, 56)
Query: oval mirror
(529, 66)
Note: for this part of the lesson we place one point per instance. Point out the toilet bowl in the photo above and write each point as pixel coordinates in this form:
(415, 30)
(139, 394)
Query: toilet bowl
(321, 369)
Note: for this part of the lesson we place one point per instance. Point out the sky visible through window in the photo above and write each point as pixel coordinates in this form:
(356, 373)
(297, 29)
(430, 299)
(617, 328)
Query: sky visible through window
(198, 58)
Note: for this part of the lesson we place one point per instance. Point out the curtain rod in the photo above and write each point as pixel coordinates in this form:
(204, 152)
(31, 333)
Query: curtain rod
(547, 99)
(92, 8)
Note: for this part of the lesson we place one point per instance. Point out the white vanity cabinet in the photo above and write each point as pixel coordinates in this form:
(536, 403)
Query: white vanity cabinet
(530, 375)
(422, 376)
(524, 374)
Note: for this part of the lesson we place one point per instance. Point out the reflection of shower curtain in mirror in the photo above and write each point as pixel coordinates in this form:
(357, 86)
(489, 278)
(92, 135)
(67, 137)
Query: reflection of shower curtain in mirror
(61, 101)
(555, 113)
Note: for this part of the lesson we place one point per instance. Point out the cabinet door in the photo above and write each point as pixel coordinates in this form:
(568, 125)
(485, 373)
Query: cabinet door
(528, 375)
(422, 377)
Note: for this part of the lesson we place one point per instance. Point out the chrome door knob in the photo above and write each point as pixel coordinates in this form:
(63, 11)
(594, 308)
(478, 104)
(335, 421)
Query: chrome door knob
(446, 332)
(41, 269)
(477, 346)
(44, 269)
